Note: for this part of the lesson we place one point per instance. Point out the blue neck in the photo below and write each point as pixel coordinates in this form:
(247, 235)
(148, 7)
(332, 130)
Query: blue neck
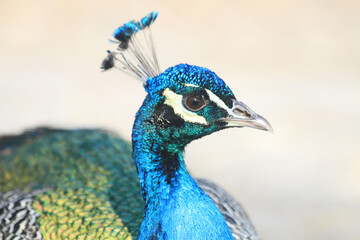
(175, 206)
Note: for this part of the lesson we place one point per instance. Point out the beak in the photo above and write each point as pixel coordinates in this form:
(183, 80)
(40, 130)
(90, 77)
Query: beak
(242, 116)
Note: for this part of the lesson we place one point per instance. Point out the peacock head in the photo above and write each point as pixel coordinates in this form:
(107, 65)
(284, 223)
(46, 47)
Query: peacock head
(187, 101)
(193, 102)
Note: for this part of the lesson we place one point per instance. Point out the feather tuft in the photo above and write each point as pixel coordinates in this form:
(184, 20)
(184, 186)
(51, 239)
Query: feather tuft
(136, 54)
(108, 62)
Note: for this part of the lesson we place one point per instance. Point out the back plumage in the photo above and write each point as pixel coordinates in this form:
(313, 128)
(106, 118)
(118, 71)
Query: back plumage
(91, 184)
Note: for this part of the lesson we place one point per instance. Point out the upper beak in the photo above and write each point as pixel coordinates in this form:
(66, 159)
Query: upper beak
(242, 116)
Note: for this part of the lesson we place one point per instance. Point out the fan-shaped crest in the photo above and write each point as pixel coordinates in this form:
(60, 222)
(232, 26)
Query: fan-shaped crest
(136, 54)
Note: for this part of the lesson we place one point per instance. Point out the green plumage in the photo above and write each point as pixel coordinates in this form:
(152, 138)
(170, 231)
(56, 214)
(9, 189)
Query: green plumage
(94, 189)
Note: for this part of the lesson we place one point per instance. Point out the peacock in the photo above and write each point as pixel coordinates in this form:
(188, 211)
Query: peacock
(92, 184)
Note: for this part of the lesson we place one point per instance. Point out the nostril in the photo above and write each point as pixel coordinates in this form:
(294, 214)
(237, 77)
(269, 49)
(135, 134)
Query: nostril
(240, 111)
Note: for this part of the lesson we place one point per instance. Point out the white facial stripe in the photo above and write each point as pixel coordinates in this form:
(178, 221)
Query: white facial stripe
(175, 101)
(190, 85)
(219, 102)
(216, 100)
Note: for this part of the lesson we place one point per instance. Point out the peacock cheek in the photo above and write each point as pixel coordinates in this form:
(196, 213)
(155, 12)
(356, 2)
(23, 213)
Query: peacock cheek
(194, 132)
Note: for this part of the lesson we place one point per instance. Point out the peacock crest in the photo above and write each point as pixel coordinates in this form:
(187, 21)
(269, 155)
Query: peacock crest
(135, 52)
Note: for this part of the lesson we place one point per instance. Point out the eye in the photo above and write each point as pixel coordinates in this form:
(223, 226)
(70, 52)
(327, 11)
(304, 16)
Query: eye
(193, 103)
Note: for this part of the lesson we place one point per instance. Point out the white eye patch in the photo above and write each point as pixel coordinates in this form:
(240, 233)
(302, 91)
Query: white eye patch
(214, 99)
(175, 101)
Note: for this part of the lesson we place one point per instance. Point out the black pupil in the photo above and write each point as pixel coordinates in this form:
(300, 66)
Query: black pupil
(194, 103)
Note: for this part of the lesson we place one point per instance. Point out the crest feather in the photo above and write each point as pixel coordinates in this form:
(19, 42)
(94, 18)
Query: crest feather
(136, 54)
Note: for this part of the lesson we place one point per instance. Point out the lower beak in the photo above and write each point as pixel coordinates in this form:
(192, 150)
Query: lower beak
(242, 116)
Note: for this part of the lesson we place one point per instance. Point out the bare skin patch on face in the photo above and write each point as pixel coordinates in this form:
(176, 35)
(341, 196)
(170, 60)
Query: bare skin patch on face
(175, 101)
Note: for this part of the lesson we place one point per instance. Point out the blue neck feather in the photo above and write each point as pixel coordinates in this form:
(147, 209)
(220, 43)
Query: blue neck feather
(176, 208)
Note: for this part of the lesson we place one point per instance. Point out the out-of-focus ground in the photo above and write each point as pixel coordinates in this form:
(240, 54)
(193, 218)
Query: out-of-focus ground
(295, 62)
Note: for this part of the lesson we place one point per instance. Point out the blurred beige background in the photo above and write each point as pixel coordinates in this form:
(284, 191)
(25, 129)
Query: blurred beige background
(295, 62)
